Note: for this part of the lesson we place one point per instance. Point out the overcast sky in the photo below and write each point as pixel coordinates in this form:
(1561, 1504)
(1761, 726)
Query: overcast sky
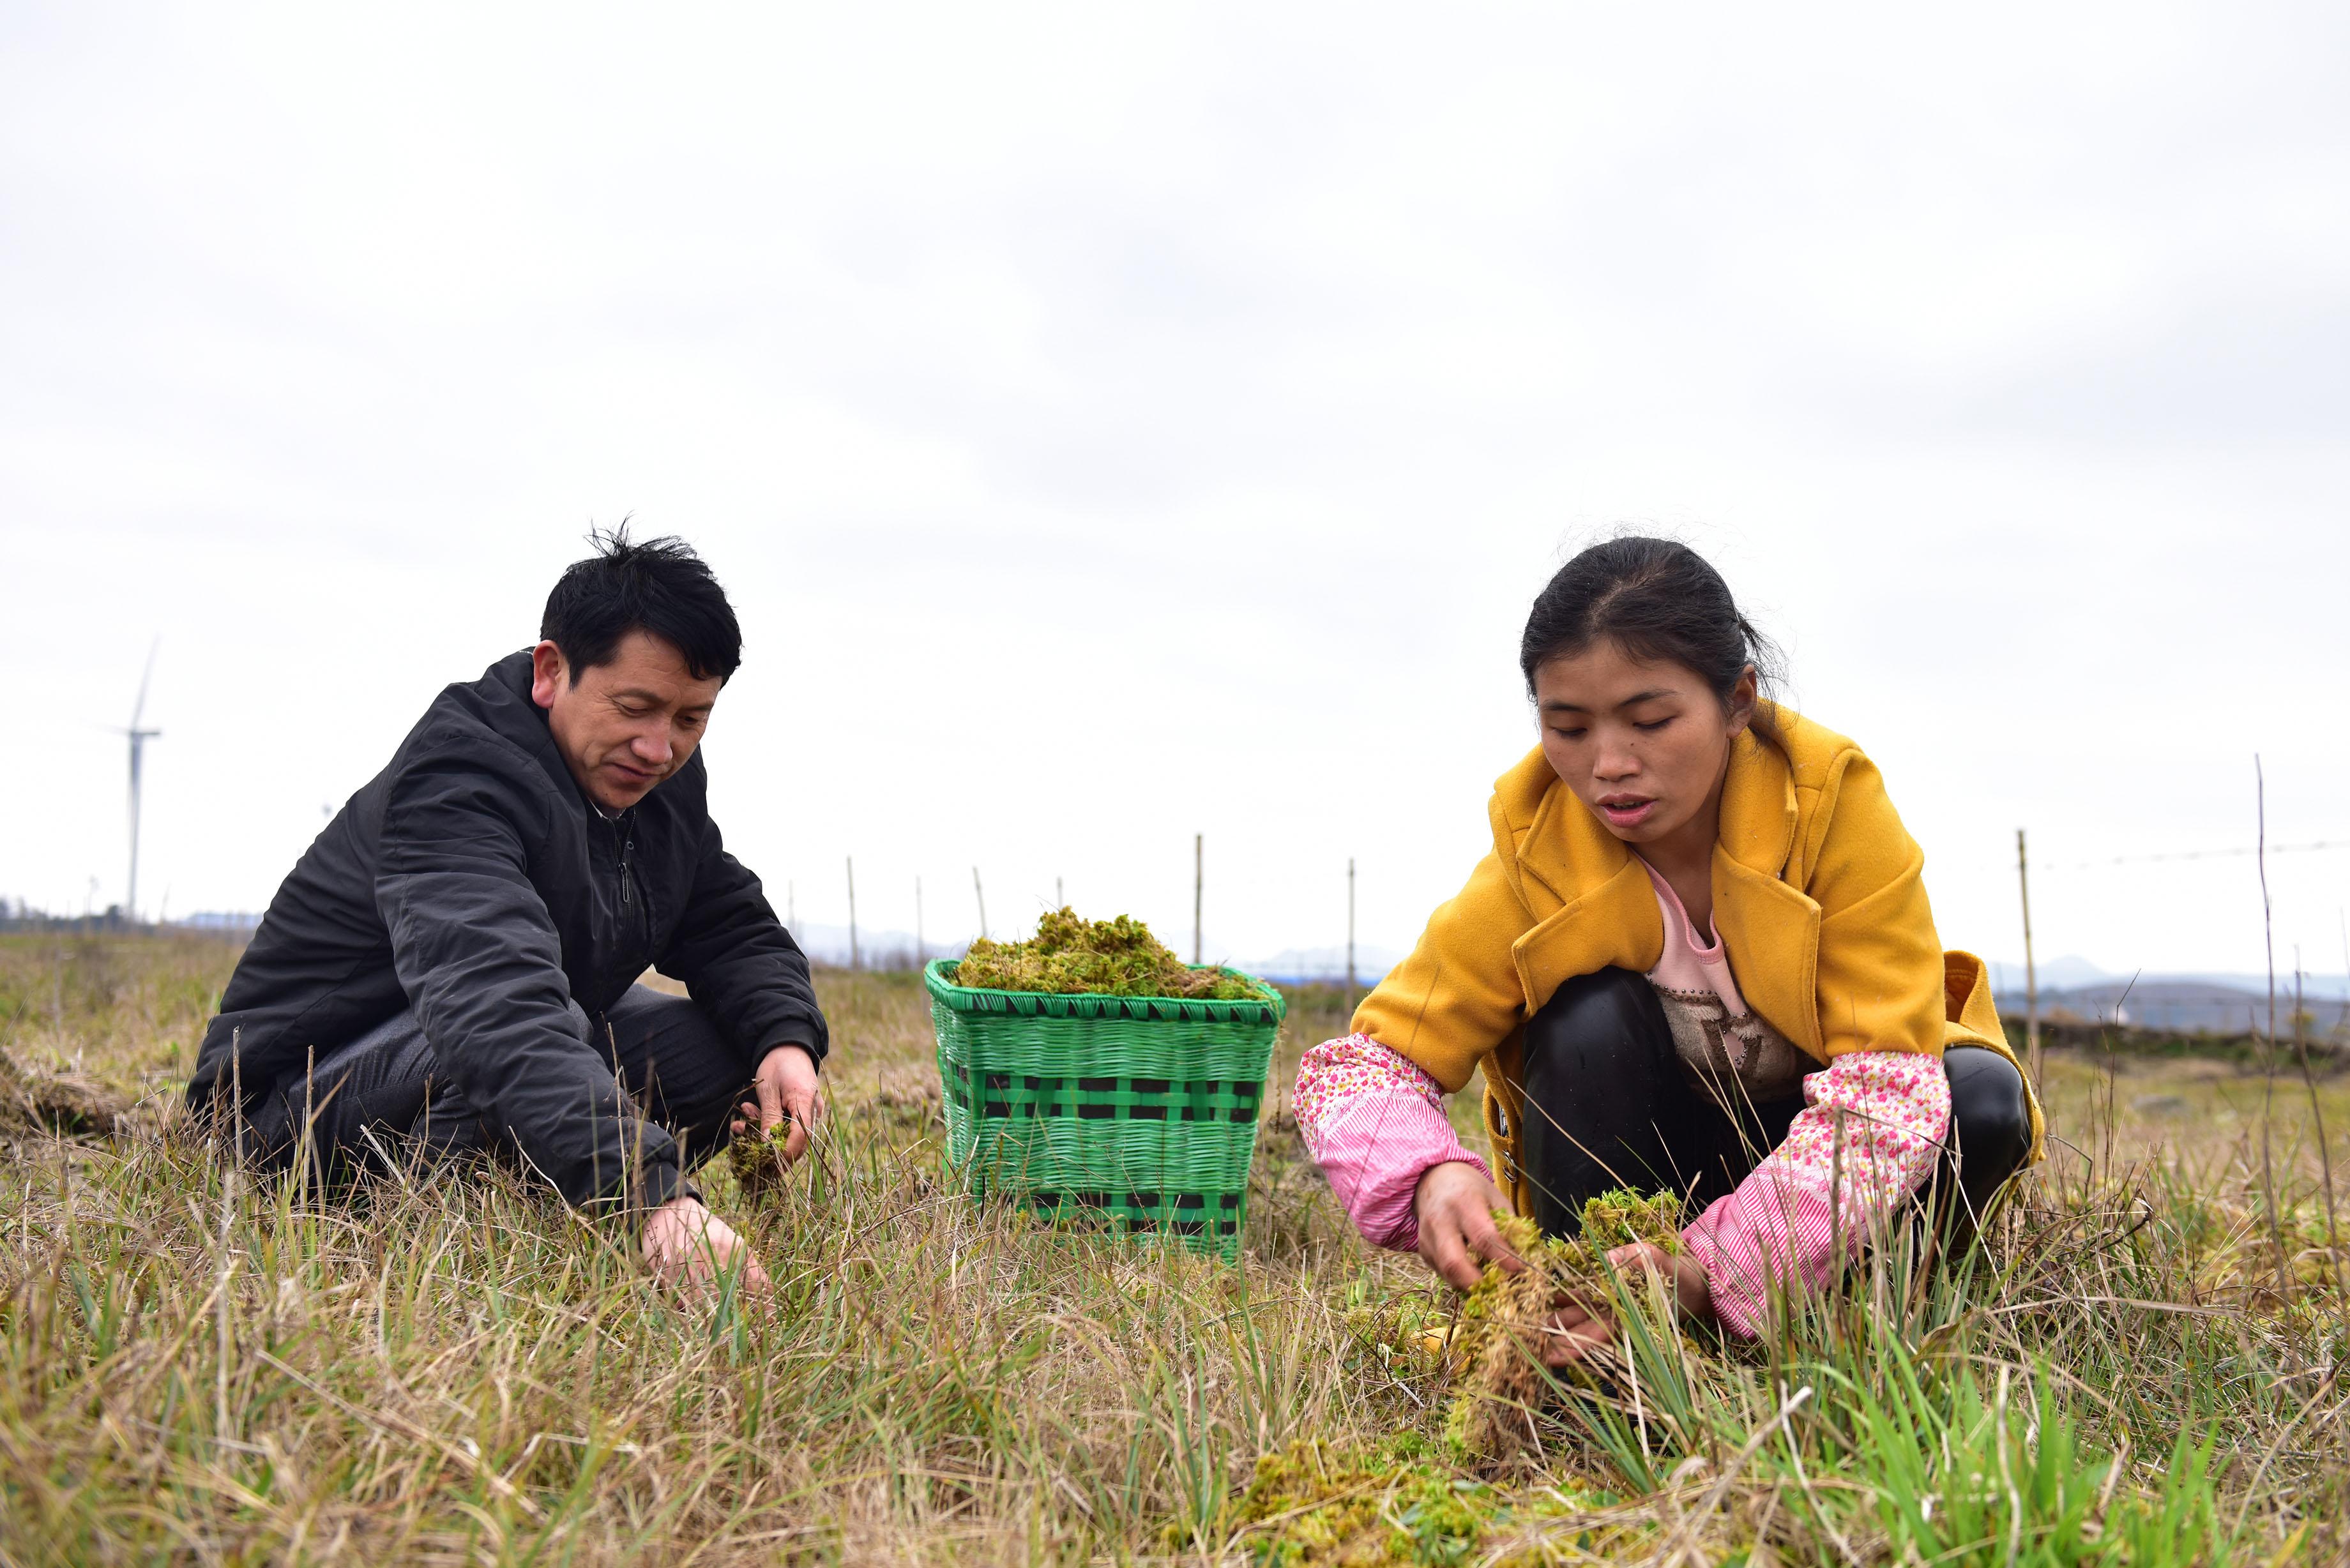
(1118, 422)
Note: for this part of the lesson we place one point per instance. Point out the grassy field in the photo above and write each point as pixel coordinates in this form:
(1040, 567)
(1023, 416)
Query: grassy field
(199, 1365)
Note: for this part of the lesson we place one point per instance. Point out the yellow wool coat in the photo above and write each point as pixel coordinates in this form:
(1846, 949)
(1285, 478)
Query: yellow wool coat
(1817, 897)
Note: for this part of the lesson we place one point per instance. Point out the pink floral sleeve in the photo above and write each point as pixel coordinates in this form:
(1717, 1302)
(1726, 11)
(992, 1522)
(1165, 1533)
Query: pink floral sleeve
(1868, 1137)
(1374, 1123)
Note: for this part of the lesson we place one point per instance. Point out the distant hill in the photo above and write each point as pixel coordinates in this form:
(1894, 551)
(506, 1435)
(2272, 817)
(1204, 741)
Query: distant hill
(2055, 974)
(1296, 966)
(2182, 1005)
(2219, 1001)
(231, 921)
(875, 949)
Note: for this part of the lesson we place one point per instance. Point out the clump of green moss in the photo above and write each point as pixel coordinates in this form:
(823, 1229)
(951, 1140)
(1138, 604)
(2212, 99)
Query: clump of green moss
(1394, 1503)
(1072, 956)
(1499, 1343)
(1620, 1215)
(757, 1159)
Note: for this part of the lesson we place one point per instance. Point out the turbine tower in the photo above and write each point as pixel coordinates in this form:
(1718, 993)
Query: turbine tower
(139, 739)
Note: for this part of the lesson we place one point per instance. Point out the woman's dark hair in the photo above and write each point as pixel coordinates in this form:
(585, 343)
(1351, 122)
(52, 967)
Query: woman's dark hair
(1656, 599)
(658, 587)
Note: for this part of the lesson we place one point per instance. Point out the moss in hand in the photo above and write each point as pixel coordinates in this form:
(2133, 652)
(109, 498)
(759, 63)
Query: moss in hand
(1498, 1344)
(757, 1158)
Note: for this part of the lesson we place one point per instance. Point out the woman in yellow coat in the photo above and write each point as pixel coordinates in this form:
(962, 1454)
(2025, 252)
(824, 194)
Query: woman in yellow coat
(1699, 956)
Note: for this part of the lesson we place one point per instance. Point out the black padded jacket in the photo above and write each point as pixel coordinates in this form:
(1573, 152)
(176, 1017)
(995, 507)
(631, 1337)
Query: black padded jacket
(472, 881)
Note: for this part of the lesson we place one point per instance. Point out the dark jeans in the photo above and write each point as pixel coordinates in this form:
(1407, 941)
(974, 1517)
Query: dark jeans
(1607, 1106)
(382, 1098)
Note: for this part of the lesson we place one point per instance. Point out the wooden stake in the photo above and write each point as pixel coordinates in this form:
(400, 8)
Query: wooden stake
(852, 912)
(1199, 882)
(2031, 974)
(1060, 899)
(981, 893)
(2268, 1101)
(1350, 933)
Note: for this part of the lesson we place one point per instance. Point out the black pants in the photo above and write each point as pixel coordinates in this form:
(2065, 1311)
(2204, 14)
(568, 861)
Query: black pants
(1607, 1106)
(382, 1098)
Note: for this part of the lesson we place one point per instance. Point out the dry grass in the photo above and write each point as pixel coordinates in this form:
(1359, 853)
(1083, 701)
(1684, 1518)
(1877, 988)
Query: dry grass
(198, 1365)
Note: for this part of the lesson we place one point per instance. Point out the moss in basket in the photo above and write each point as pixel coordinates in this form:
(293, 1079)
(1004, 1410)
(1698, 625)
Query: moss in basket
(1070, 955)
(1501, 1323)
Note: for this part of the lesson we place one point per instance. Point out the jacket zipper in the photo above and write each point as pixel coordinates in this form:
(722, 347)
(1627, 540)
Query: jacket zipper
(640, 923)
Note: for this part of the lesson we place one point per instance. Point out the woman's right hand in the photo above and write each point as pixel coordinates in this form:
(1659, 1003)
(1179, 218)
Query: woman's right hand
(1454, 1203)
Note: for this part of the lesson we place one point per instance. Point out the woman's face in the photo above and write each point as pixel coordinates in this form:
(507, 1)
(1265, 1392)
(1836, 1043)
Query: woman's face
(1644, 745)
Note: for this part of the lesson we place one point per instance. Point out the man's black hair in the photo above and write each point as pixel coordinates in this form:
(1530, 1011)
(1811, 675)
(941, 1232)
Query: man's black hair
(658, 587)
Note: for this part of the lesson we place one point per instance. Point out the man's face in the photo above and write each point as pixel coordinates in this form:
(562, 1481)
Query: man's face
(624, 726)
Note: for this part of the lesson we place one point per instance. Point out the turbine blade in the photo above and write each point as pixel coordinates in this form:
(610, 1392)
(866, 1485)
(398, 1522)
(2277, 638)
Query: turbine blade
(140, 706)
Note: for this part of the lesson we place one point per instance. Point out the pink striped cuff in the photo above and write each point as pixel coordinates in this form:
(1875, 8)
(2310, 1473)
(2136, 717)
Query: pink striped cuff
(1375, 1123)
(1869, 1136)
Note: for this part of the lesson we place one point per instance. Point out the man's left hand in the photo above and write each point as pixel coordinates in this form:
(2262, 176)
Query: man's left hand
(1579, 1328)
(784, 1083)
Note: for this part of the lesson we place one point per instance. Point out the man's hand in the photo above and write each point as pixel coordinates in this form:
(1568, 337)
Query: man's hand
(1455, 1203)
(1580, 1327)
(785, 1082)
(686, 1245)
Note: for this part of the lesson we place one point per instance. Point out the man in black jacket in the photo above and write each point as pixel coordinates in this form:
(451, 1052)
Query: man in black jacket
(454, 960)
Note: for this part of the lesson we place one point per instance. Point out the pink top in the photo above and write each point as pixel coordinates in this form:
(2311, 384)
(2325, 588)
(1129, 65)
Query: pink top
(1690, 963)
(1868, 1137)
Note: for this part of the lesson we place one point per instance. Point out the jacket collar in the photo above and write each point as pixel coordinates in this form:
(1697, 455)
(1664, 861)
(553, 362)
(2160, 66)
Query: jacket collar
(1758, 805)
(504, 693)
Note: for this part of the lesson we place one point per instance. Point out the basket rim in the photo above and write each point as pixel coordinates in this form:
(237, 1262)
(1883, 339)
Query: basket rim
(1269, 1008)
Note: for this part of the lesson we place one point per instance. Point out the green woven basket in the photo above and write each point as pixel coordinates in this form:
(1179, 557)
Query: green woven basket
(1137, 1111)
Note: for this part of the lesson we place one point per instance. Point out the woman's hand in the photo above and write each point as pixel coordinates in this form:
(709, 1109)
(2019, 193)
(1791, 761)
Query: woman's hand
(686, 1245)
(1580, 1328)
(1454, 1203)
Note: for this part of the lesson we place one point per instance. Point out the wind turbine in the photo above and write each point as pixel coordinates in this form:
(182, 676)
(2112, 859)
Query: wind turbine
(139, 739)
